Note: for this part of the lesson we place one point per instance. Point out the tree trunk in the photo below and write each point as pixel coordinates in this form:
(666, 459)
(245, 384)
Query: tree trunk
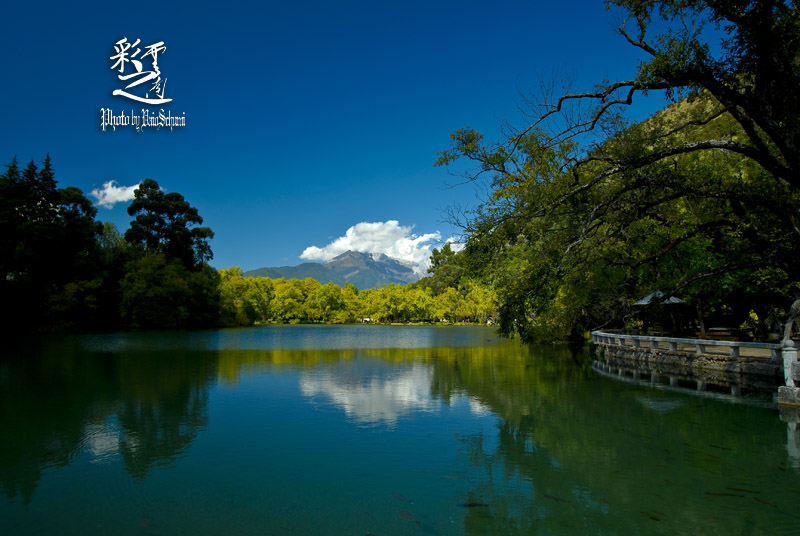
(700, 319)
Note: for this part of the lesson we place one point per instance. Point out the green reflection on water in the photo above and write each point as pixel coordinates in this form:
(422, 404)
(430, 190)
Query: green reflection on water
(287, 431)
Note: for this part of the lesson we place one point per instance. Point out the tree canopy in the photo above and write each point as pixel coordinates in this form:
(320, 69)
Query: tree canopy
(169, 285)
(48, 244)
(257, 300)
(586, 213)
(166, 223)
(60, 268)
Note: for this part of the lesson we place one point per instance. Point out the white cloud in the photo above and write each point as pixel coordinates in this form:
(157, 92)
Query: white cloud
(111, 194)
(390, 238)
(454, 245)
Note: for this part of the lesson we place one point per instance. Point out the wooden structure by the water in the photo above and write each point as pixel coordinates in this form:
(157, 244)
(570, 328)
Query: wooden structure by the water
(738, 364)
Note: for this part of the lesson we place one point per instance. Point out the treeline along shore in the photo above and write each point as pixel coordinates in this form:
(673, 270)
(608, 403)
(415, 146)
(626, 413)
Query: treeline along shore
(64, 270)
(257, 300)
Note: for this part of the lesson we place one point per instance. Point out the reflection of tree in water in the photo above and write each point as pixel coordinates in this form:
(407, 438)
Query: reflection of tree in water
(44, 403)
(52, 400)
(507, 472)
(28, 450)
(574, 453)
(164, 401)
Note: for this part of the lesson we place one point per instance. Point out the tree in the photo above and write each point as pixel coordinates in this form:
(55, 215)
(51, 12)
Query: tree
(755, 76)
(311, 308)
(481, 302)
(450, 305)
(330, 301)
(170, 285)
(353, 306)
(422, 303)
(446, 269)
(48, 248)
(166, 223)
(577, 225)
(259, 293)
(115, 254)
(371, 303)
(161, 293)
(290, 299)
(232, 288)
(394, 304)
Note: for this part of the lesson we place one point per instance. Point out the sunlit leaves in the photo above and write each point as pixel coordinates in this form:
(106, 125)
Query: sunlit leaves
(258, 300)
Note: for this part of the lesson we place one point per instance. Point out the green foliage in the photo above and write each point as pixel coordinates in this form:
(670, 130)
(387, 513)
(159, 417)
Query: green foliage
(331, 302)
(244, 300)
(290, 299)
(170, 285)
(166, 223)
(250, 300)
(565, 260)
(446, 270)
(701, 199)
(62, 269)
(160, 293)
(48, 247)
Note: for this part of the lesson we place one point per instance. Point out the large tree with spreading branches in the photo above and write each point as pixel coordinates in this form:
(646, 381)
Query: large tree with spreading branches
(585, 210)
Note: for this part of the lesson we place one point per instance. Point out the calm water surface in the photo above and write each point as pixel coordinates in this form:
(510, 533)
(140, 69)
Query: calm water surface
(372, 430)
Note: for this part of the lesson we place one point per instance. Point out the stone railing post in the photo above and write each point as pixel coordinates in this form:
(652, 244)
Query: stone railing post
(789, 395)
(789, 353)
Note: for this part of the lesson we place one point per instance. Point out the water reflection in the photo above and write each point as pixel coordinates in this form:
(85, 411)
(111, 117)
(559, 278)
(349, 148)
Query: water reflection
(369, 395)
(698, 379)
(102, 440)
(376, 391)
(581, 454)
(157, 428)
(493, 438)
(660, 404)
(141, 407)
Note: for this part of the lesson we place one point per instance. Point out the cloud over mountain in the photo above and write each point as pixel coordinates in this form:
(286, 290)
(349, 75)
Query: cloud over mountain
(389, 238)
(111, 194)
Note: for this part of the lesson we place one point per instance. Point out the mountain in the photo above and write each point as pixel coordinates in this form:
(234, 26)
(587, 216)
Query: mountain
(361, 269)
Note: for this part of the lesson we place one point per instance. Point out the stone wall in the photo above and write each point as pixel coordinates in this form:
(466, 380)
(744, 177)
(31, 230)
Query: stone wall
(747, 372)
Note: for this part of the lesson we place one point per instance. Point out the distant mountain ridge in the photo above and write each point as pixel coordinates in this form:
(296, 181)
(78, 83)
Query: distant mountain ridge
(361, 269)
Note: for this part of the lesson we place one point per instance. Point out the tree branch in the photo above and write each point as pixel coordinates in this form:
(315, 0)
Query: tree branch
(640, 42)
(589, 124)
(727, 145)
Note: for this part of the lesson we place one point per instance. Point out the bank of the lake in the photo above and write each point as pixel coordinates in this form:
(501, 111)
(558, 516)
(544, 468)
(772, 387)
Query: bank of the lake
(372, 429)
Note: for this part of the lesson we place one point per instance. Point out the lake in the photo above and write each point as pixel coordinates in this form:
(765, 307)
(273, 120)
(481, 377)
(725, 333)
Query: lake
(384, 430)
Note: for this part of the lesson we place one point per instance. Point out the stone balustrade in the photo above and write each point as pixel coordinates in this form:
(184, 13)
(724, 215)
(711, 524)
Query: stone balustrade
(736, 357)
(701, 346)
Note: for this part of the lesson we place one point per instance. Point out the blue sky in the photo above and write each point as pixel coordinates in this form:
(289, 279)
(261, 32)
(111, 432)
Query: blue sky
(303, 119)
